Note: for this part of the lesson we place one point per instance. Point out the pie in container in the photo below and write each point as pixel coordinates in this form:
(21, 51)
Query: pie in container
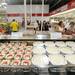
(9, 56)
(1, 56)
(40, 60)
(28, 51)
(49, 44)
(27, 56)
(39, 50)
(60, 44)
(66, 50)
(26, 62)
(57, 60)
(70, 58)
(20, 51)
(52, 50)
(70, 43)
(15, 63)
(5, 62)
(18, 56)
(38, 44)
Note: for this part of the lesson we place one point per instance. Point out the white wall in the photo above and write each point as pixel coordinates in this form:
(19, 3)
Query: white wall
(11, 9)
(20, 8)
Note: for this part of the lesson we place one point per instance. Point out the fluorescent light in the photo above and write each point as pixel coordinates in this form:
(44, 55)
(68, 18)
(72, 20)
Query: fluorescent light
(68, 11)
(3, 3)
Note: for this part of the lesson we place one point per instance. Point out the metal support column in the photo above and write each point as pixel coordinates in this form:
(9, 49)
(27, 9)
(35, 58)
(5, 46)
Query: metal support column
(31, 9)
(42, 13)
(25, 14)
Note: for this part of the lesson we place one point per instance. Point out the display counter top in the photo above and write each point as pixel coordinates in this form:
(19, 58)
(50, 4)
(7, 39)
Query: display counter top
(39, 36)
(33, 38)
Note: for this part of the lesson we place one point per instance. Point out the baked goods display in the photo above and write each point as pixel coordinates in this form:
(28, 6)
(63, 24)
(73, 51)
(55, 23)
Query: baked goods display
(40, 54)
(15, 54)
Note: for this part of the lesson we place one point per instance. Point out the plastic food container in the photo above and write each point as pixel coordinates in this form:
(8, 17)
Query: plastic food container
(38, 44)
(57, 60)
(70, 43)
(60, 44)
(49, 44)
(39, 50)
(52, 50)
(70, 58)
(40, 61)
(66, 50)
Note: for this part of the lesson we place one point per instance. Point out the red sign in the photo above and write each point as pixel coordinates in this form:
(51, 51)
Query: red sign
(71, 4)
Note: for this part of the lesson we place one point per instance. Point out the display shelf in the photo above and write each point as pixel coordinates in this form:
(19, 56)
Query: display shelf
(36, 39)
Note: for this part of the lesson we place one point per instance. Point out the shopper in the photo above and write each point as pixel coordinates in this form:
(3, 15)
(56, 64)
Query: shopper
(45, 26)
(72, 27)
(60, 27)
(39, 24)
(8, 30)
(14, 26)
(23, 22)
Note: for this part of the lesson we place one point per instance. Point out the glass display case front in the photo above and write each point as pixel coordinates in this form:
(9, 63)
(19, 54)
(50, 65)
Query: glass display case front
(36, 57)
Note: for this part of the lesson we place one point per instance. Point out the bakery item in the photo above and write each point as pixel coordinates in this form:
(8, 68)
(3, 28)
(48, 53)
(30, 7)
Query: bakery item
(60, 44)
(49, 44)
(53, 50)
(39, 50)
(27, 56)
(18, 56)
(5, 62)
(70, 58)
(26, 62)
(57, 60)
(15, 63)
(66, 50)
(9, 56)
(70, 43)
(40, 60)
(38, 44)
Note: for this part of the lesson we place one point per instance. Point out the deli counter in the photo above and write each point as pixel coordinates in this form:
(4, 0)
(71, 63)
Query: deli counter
(36, 55)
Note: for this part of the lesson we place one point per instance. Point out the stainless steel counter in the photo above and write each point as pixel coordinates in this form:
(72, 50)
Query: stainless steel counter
(39, 36)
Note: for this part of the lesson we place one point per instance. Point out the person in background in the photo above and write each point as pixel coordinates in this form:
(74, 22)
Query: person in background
(8, 30)
(60, 27)
(39, 24)
(14, 26)
(45, 26)
(23, 22)
(72, 27)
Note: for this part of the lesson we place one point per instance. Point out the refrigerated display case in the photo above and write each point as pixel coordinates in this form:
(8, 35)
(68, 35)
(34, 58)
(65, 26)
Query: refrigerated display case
(36, 56)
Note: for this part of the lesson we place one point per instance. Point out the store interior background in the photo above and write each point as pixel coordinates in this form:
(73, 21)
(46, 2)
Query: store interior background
(48, 10)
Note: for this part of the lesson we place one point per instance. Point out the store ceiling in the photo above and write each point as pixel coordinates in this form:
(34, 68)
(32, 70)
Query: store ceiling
(53, 4)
